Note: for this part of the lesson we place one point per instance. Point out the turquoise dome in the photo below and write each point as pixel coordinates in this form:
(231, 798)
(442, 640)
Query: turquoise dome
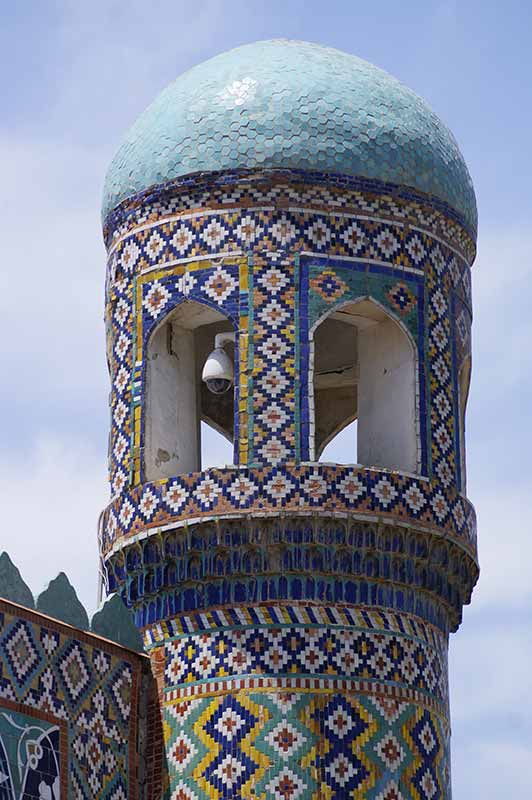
(284, 104)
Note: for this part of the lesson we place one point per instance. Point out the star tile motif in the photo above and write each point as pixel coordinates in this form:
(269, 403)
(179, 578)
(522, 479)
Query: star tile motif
(181, 753)
(220, 285)
(285, 739)
(156, 299)
(391, 752)
(287, 785)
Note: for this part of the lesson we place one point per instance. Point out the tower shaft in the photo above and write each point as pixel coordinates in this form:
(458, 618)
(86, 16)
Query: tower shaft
(298, 226)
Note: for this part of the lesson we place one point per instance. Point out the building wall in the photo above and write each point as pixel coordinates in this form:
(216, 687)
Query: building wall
(73, 710)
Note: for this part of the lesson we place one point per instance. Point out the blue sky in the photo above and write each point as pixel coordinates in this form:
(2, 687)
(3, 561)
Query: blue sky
(75, 75)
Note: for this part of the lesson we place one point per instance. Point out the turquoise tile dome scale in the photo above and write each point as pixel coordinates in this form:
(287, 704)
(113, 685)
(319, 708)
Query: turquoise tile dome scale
(291, 105)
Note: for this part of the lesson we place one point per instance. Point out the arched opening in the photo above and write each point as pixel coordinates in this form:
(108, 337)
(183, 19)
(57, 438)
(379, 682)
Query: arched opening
(216, 448)
(176, 399)
(342, 448)
(464, 379)
(365, 370)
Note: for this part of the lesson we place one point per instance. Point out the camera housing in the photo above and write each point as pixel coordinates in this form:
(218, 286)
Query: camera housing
(218, 371)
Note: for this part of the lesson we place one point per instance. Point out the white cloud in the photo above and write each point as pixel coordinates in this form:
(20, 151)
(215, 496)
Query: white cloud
(491, 770)
(490, 660)
(491, 685)
(51, 308)
(51, 499)
(505, 543)
(51, 286)
(114, 50)
(499, 430)
(502, 320)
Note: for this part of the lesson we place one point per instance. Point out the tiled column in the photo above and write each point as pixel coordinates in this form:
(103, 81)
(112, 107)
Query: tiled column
(291, 702)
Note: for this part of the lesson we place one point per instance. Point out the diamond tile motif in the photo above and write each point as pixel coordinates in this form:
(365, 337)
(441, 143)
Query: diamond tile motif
(297, 612)
(201, 657)
(23, 657)
(78, 700)
(75, 673)
(256, 744)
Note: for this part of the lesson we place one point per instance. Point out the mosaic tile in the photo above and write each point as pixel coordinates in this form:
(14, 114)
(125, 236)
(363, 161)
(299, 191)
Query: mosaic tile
(292, 105)
(343, 652)
(70, 706)
(126, 462)
(296, 613)
(291, 745)
(32, 757)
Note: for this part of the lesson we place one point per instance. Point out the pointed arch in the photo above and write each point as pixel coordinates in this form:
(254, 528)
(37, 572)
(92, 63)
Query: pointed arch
(464, 380)
(176, 400)
(365, 368)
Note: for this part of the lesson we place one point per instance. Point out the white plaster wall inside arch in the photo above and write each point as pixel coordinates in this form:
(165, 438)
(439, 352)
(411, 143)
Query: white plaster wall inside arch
(365, 370)
(176, 401)
(464, 380)
(387, 398)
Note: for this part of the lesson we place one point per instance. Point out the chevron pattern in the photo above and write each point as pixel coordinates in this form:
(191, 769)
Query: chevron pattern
(295, 746)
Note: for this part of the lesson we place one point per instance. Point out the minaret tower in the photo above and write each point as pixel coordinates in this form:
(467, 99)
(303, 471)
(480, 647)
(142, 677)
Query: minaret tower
(290, 233)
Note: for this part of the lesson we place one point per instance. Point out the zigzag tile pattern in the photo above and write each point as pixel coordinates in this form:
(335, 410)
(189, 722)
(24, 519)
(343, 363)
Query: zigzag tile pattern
(294, 746)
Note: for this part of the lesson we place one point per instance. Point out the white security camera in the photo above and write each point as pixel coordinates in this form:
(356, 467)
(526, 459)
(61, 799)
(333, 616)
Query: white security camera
(218, 370)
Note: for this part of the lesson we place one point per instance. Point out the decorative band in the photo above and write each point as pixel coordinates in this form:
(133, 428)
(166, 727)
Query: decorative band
(248, 188)
(305, 685)
(324, 488)
(295, 613)
(307, 652)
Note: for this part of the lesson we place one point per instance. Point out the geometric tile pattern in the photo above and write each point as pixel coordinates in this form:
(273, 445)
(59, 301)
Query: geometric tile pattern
(86, 684)
(294, 558)
(314, 616)
(174, 255)
(334, 282)
(269, 711)
(261, 602)
(155, 297)
(273, 434)
(294, 746)
(203, 236)
(325, 652)
(216, 287)
(331, 488)
(315, 190)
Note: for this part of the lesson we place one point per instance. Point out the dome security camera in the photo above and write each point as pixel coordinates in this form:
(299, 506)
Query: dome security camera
(218, 370)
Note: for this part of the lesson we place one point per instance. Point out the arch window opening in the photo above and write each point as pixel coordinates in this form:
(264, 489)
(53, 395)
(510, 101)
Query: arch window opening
(184, 422)
(342, 448)
(216, 448)
(363, 389)
(464, 380)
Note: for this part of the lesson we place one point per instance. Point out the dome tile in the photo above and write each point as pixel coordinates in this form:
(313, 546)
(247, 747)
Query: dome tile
(296, 105)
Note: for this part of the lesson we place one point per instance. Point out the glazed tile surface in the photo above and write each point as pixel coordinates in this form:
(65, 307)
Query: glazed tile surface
(292, 105)
(296, 613)
(70, 700)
